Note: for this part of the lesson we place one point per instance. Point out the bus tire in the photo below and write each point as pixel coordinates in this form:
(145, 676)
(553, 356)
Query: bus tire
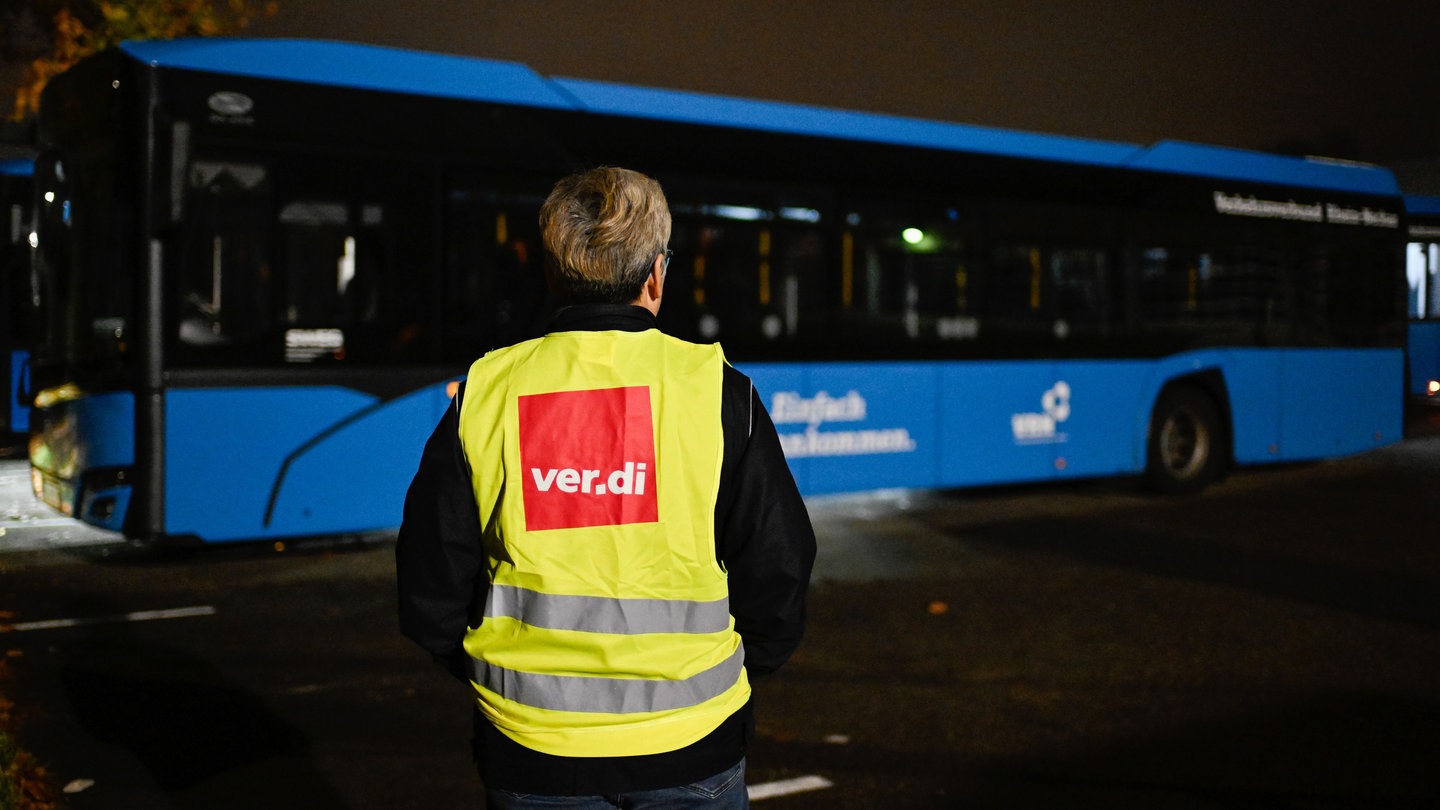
(1185, 447)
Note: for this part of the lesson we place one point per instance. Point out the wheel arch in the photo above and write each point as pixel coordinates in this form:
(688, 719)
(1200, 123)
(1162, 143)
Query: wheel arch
(1210, 384)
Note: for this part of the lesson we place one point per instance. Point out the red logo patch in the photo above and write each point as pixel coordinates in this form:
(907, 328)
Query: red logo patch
(587, 458)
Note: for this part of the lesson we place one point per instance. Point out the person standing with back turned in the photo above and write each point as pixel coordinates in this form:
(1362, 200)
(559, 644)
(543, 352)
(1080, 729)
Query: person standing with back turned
(603, 538)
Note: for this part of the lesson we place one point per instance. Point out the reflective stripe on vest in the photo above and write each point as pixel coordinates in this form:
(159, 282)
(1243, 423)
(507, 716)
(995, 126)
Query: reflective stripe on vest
(595, 614)
(570, 693)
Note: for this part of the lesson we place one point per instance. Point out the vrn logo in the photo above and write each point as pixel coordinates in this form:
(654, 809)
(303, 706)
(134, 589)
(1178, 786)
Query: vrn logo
(1043, 427)
(588, 458)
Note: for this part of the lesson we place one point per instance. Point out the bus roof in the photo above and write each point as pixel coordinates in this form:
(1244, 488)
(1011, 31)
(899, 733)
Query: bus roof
(799, 119)
(1239, 164)
(343, 64)
(1422, 204)
(364, 67)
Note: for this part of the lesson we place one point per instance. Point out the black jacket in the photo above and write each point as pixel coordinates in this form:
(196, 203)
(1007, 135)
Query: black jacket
(763, 538)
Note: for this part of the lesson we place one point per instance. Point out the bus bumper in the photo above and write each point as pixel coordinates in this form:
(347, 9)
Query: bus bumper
(101, 498)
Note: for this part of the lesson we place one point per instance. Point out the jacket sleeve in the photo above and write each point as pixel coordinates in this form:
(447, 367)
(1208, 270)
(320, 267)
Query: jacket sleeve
(439, 559)
(763, 533)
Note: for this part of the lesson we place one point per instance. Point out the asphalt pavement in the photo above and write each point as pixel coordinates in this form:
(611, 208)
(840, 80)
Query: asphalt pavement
(1269, 643)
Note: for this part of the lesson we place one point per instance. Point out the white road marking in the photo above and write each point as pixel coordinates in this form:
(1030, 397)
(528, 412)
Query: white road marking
(785, 787)
(137, 616)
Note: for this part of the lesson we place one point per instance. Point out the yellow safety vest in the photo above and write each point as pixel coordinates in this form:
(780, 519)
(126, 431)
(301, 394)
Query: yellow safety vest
(595, 459)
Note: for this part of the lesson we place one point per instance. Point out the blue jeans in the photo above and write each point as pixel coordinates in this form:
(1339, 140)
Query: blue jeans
(723, 791)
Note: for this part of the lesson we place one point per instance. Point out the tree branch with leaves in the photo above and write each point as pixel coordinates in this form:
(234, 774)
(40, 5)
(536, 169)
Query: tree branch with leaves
(84, 27)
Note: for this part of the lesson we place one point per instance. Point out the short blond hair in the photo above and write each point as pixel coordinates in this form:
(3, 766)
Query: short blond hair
(603, 230)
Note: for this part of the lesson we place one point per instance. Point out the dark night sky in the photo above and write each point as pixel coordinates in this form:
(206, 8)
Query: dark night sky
(1350, 79)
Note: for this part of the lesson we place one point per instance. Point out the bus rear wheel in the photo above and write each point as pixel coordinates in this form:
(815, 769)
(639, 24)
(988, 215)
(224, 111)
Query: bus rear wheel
(1184, 453)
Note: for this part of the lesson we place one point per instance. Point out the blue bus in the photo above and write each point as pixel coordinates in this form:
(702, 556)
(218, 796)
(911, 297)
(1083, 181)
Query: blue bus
(16, 203)
(262, 265)
(1422, 258)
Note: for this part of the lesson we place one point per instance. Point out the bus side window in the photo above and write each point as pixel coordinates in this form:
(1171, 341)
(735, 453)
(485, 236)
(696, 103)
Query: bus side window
(223, 261)
(1236, 287)
(1169, 285)
(494, 291)
(719, 285)
(1014, 283)
(736, 294)
(939, 277)
(1356, 307)
(880, 280)
(803, 298)
(318, 267)
(521, 305)
(876, 289)
(743, 275)
(905, 278)
(683, 313)
(1084, 295)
